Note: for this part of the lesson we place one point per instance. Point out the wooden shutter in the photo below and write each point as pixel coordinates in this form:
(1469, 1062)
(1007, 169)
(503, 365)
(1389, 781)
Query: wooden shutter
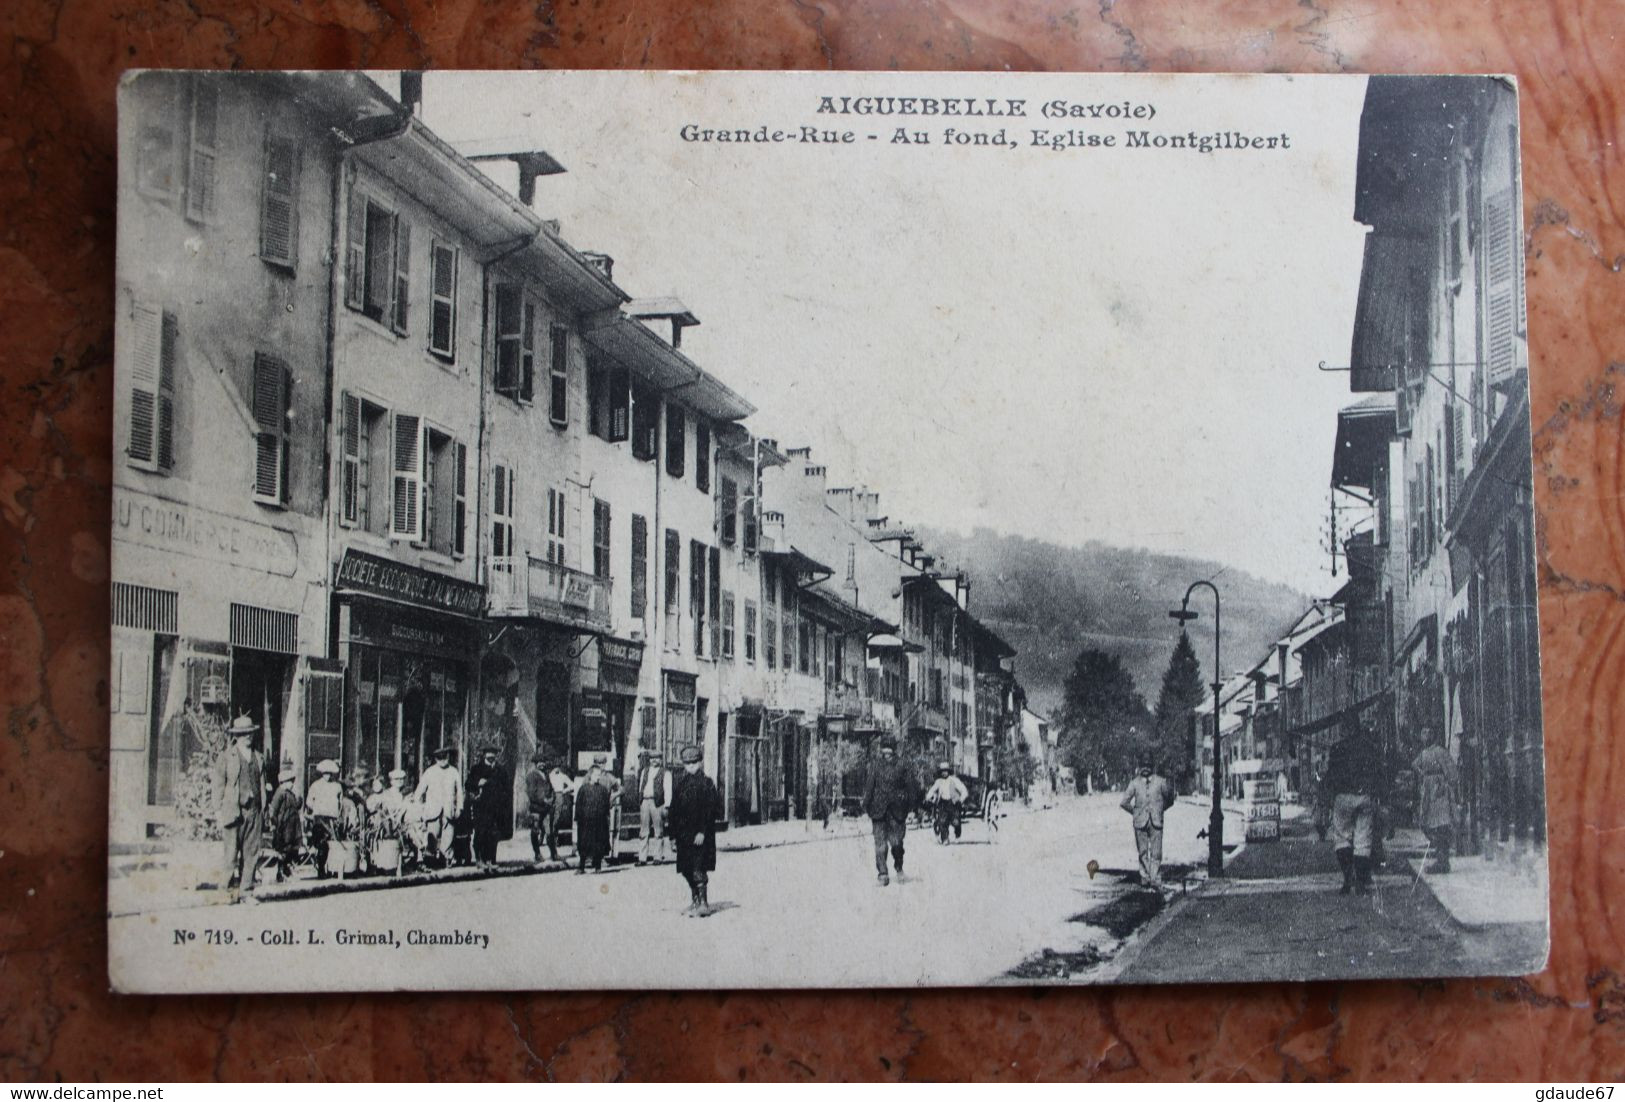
(355, 251)
(401, 291)
(270, 407)
(406, 514)
(459, 519)
(279, 201)
(200, 172)
(620, 403)
(728, 508)
(527, 355)
(350, 487)
(558, 408)
(640, 566)
(1455, 443)
(510, 315)
(1501, 286)
(714, 586)
(152, 388)
(443, 300)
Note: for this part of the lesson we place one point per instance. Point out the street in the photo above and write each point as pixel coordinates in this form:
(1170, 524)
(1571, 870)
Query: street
(808, 913)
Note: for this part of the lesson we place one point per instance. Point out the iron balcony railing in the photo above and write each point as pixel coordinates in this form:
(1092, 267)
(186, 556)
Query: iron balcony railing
(525, 586)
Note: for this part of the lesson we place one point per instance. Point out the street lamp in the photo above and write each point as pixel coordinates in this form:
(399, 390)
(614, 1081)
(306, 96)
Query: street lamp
(1215, 826)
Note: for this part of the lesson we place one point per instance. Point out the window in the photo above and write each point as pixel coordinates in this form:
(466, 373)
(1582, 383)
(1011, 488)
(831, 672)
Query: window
(516, 343)
(279, 201)
(728, 507)
(770, 639)
(640, 566)
(750, 525)
(702, 457)
(806, 648)
(675, 446)
(674, 577)
(555, 526)
(443, 300)
(155, 152)
(750, 631)
(696, 594)
(151, 444)
(558, 407)
(714, 597)
(608, 401)
(727, 618)
(363, 433)
(502, 494)
(406, 488)
(788, 654)
(204, 129)
(445, 491)
(770, 582)
(600, 538)
(270, 387)
(378, 249)
(645, 422)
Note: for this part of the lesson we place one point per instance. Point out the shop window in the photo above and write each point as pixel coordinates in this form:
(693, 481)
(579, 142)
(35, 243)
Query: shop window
(640, 566)
(377, 254)
(600, 538)
(279, 201)
(271, 388)
(750, 631)
(151, 424)
(645, 422)
(516, 343)
(702, 457)
(676, 445)
(558, 400)
(443, 277)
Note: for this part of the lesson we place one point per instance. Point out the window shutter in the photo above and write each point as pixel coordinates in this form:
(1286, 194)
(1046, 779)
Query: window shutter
(403, 267)
(406, 517)
(279, 206)
(620, 404)
(459, 536)
(527, 357)
(200, 184)
(728, 508)
(1501, 291)
(509, 318)
(355, 252)
(714, 556)
(166, 392)
(558, 408)
(270, 408)
(443, 304)
(640, 566)
(1455, 433)
(350, 490)
(146, 348)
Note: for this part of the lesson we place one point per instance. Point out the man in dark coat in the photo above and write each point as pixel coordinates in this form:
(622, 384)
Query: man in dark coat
(696, 806)
(487, 782)
(1351, 777)
(239, 789)
(287, 832)
(592, 818)
(539, 795)
(889, 799)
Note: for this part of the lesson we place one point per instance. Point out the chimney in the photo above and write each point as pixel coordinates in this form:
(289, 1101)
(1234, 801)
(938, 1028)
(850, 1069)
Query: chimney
(840, 499)
(818, 474)
(412, 91)
(603, 262)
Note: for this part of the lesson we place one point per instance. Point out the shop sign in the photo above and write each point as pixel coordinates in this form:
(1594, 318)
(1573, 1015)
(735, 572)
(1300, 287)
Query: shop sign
(212, 690)
(359, 572)
(620, 652)
(407, 631)
(183, 529)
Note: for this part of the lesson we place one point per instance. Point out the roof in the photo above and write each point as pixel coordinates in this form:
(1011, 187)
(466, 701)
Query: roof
(800, 561)
(640, 349)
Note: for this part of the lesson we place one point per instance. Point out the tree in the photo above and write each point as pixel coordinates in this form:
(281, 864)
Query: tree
(1182, 691)
(1104, 720)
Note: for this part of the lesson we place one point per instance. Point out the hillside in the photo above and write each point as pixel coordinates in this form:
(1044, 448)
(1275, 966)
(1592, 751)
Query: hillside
(1050, 601)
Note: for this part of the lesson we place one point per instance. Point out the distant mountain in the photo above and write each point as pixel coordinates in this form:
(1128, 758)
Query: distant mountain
(1050, 601)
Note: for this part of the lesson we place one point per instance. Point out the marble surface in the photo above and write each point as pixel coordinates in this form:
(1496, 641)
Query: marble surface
(56, 279)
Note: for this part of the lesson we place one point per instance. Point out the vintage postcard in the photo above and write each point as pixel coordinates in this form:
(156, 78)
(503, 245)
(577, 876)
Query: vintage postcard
(672, 530)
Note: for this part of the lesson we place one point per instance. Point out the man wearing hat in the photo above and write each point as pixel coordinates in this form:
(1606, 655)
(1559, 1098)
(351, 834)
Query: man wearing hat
(324, 804)
(592, 818)
(947, 795)
(1148, 797)
(440, 799)
(239, 788)
(889, 798)
(539, 797)
(696, 807)
(487, 787)
(654, 795)
(287, 831)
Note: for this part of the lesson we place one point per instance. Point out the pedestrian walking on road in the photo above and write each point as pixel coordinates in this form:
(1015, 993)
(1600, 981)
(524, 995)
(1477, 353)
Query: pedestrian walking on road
(654, 796)
(592, 818)
(696, 808)
(239, 788)
(1148, 799)
(1351, 777)
(947, 796)
(889, 798)
(539, 796)
(1436, 811)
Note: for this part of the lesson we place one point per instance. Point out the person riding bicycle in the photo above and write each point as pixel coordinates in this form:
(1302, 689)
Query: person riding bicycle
(947, 798)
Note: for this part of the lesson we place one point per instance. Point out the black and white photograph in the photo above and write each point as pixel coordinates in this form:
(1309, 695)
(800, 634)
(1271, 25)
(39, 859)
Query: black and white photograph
(659, 530)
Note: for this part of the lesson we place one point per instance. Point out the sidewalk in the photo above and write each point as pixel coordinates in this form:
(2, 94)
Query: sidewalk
(1277, 913)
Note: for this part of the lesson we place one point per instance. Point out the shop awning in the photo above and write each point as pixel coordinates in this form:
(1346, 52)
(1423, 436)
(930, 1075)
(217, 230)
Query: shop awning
(890, 642)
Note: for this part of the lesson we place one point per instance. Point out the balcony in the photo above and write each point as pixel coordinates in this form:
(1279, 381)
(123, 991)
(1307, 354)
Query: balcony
(843, 700)
(524, 586)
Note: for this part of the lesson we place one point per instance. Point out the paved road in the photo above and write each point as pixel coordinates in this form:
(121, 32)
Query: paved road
(800, 914)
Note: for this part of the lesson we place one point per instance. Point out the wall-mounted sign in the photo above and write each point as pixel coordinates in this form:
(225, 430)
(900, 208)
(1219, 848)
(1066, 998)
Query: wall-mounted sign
(191, 530)
(359, 572)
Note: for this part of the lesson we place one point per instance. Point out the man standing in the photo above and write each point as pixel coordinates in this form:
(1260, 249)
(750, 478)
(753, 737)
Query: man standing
(239, 788)
(539, 797)
(287, 832)
(1148, 798)
(1436, 811)
(889, 798)
(592, 818)
(654, 795)
(486, 784)
(324, 804)
(440, 798)
(564, 802)
(947, 796)
(696, 807)
(1351, 777)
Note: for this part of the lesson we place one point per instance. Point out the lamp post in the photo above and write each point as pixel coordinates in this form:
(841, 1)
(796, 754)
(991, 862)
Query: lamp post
(1215, 826)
